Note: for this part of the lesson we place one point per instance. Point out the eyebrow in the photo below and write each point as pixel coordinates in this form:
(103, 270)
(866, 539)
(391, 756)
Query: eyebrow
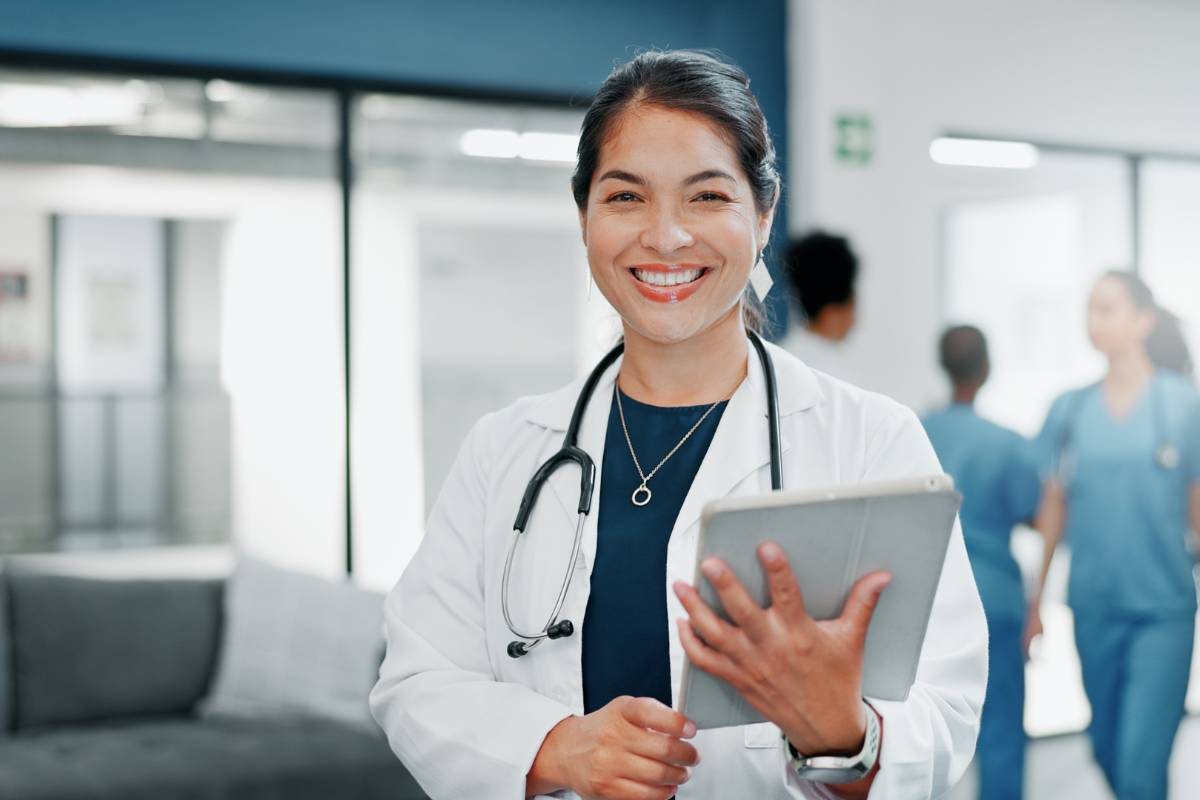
(629, 177)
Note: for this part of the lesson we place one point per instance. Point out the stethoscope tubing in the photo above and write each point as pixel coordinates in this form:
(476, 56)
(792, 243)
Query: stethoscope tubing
(571, 453)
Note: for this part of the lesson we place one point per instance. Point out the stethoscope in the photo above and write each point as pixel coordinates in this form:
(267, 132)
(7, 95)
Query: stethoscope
(1166, 454)
(571, 453)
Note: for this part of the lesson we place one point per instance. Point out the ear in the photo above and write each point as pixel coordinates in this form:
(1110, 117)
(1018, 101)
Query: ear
(763, 228)
(583, 226)
(1147, 320)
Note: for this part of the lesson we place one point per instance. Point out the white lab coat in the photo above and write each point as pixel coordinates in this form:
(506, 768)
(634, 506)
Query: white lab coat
(467, 720)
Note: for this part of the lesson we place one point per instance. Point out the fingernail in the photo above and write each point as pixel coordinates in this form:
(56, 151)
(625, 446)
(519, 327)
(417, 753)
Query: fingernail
(711, 568)
(680, 587)
(689, 729)
(771, 552)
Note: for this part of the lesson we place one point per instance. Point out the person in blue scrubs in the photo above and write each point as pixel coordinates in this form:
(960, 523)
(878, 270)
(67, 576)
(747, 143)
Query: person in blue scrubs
(996, 473)
(1123, 485)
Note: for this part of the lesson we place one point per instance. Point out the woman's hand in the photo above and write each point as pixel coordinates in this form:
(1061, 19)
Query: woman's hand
(801, 674)
(632, 749)
(1033, 625)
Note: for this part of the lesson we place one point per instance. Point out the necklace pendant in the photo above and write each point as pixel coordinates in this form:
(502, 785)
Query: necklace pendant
(644, 492)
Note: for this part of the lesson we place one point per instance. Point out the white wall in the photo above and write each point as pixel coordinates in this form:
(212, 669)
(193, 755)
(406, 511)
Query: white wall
(1097, 72)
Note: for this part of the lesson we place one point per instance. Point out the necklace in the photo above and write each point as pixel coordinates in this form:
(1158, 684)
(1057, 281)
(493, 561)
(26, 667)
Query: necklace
(642, 494)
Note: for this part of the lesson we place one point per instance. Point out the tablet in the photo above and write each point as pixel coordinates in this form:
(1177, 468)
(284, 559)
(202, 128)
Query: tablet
(832, 537)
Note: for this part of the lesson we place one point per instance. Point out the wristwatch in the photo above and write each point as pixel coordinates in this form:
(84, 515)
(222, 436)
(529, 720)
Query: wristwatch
(839, 769)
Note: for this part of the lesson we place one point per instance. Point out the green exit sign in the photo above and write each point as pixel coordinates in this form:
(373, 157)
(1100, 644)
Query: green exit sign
(855, 138)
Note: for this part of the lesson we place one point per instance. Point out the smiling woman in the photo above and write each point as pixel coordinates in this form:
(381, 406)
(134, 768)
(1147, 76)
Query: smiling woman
(676, 188)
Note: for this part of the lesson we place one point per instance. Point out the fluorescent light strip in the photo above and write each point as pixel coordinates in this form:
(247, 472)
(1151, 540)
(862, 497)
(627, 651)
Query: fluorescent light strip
(532, 145)
(48, 106)
(983, 153)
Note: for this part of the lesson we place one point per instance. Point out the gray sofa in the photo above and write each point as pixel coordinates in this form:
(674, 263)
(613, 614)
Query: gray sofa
(102, 687)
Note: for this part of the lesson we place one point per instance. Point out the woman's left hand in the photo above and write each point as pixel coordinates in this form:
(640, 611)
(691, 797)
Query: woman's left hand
(802, 674)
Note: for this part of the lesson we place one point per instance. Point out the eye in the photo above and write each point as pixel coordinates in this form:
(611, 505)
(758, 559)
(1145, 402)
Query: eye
(712, 197)
(622, 197)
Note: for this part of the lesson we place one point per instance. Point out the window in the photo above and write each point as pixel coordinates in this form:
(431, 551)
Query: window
(170, 316)
(470, 290)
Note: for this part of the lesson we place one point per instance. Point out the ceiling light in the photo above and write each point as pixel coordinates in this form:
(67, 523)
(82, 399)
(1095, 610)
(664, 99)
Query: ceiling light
(549, 146)
(531, 145)
(983, 153)
(31, 105)
(490, 143)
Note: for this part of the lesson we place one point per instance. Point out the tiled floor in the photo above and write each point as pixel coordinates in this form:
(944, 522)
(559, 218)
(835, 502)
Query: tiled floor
(1061, 768)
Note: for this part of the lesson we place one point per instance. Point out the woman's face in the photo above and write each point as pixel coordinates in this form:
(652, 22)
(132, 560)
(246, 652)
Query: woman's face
(1114, 323)
(670, 224)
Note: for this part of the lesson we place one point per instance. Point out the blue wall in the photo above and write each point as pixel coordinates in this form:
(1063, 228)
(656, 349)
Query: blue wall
(556, 48)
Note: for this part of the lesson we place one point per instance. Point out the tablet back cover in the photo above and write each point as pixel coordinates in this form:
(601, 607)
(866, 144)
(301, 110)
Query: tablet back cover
(830, 544)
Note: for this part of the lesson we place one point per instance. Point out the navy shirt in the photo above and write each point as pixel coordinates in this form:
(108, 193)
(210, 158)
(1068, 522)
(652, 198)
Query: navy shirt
(625, 631)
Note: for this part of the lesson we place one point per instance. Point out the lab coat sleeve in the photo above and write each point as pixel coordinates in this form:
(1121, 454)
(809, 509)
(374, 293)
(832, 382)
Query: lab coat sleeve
(458, 730)
(929, 739)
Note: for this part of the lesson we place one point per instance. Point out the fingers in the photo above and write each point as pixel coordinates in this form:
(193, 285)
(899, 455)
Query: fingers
(711, 661)
(786, 598)
(716, 632)
(646, 712)
(738, 604)
(864, 596)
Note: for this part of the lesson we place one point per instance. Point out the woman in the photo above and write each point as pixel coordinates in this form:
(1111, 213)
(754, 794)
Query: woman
(1124, 458)
(676, 189)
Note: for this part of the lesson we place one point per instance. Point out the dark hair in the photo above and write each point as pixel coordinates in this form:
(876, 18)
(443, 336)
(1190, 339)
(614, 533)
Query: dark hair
(820, 268)
(1166, 344)
(963, 353)
(697, 82)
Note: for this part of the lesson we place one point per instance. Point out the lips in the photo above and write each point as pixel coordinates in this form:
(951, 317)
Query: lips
(668, 283)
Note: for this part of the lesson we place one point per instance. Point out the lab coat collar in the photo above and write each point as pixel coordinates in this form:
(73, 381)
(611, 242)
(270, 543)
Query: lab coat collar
(740, 438)
(798, 391)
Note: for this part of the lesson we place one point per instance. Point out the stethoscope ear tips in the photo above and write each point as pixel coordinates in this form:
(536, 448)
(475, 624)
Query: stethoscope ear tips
(517, 649)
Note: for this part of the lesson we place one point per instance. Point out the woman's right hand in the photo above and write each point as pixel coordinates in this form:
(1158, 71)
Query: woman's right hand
(632, 749)
(1033, 627)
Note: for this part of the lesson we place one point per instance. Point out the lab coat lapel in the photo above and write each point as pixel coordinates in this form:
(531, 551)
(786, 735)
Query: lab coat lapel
(555, 413)
(739, 447)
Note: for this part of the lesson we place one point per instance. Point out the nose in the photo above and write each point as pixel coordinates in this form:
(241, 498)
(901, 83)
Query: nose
(665, 233)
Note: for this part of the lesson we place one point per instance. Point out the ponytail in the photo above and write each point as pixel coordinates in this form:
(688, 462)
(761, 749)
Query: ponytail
(1167, 346)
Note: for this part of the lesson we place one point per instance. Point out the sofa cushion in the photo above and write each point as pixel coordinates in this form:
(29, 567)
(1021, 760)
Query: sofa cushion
(211, 759)
(88, 649)
(295, 642)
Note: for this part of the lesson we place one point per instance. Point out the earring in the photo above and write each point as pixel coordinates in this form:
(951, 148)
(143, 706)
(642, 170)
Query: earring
(760, 279)
(589, 286)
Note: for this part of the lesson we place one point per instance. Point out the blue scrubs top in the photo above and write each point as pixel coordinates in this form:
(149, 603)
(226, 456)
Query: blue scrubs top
(1127, 516)
(626, 633)
(996, 472)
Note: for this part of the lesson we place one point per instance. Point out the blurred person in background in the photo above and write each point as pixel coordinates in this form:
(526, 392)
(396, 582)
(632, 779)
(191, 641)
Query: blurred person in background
(995, 470)
(1167, 346)
(1123, 484)
(820, 271)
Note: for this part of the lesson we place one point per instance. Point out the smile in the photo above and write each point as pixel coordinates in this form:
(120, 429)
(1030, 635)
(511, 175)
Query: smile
(668, 283)
(673, 278)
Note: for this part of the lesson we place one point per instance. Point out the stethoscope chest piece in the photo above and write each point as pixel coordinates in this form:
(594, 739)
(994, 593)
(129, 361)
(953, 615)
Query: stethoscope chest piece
(1168, 456)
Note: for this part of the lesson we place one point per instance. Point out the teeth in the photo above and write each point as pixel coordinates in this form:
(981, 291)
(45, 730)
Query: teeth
(656, 278)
